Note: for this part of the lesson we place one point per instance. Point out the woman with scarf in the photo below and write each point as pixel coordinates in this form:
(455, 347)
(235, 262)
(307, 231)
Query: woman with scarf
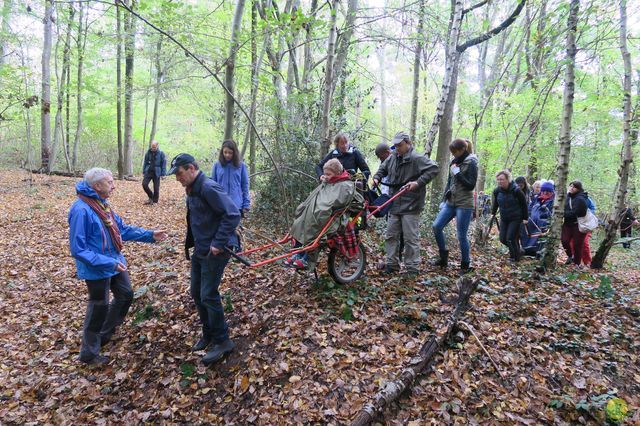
(335, 192)
(513, 212)
(96, 235)
(457, 203)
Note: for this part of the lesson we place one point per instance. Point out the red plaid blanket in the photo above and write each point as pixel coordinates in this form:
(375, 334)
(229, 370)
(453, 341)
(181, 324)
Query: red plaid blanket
(347, 241)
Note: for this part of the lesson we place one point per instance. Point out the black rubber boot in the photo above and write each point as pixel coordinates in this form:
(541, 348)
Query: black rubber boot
(465, 268)
(443, 260)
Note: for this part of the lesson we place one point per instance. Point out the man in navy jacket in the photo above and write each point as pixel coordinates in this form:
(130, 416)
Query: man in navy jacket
(154, 168)
(212, 218)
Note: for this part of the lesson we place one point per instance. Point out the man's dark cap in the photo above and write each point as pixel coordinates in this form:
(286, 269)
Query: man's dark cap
(180, 160)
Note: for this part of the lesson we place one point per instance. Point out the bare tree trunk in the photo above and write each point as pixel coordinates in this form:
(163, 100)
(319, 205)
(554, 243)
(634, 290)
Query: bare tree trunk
(416, 73)
(254, 92)
(344, 41)
(383, 94)
(45, 98)
(627, 156)
(230, 69)
(58, 131)
(158, 85)
(451, 65)
(445, 133)
(80, 45)
(551, 246)
(129, 52)
(5, 29)
(328, 81)
(67, 109)
(119, 94)
(27, 116)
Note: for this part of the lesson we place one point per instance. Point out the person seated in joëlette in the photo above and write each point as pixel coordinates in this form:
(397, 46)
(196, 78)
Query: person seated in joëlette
(336, 192)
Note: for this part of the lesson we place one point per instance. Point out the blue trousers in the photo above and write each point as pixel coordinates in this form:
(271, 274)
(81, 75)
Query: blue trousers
(463, 219)
(206, 275)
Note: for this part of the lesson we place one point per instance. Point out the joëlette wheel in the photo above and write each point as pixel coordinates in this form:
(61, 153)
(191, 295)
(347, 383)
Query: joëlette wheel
(344, 270)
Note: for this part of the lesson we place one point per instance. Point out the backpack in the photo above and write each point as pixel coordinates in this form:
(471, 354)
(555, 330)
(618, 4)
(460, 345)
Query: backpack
(586, 223)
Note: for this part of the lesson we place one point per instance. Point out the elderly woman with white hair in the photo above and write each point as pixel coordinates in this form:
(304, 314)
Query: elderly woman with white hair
(96, 235)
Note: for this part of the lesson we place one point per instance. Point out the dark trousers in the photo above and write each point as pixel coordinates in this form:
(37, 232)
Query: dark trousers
(103, 317)
(510, 237)
(625, 232)
(206, 275)
(573, 242)
(155, 195)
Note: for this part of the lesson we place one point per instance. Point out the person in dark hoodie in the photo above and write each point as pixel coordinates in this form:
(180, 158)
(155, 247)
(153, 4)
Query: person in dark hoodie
(351, 159)
(457, 203)
(575, 206)
(96, 236)
(513, 212)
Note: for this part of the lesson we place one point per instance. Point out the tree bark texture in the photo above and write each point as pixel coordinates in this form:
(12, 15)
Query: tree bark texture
(45, 97)
(564, 151)
(452, 57)
(119, 93)
(129, 53)
(157, 92)
(430, 347)
(383, 94)
(5, 29)
(58, 131)
(416, 73)
(328, 81)
(80, 47)
(627, 154)
(230, 69)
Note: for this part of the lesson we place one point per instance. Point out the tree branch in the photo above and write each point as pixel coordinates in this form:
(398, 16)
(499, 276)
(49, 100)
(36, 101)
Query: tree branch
(497, 30)
(475, 6)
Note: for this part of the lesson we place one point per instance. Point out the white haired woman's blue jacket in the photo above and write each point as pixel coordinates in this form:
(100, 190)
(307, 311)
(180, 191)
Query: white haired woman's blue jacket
(90, 242)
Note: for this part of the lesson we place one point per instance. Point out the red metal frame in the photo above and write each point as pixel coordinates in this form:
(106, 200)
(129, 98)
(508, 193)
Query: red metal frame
(316, 243)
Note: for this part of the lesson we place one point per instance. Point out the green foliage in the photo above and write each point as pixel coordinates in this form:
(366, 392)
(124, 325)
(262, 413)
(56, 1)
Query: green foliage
(605, 290)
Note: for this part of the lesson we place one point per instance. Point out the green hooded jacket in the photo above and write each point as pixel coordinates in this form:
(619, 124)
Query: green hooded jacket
(314, 212)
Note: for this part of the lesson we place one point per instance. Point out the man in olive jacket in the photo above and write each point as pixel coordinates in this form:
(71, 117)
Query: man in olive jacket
(405, 168)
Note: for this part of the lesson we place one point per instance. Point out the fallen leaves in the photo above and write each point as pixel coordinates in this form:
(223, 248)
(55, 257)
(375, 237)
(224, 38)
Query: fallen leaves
(297, 359)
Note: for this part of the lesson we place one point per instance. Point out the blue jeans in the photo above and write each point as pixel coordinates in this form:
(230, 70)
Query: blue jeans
(463, 219)
(206, 274)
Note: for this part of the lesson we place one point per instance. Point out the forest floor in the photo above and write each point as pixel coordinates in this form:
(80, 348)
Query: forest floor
(307, 352)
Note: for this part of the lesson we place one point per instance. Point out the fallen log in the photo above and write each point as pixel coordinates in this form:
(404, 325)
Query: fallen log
(434, 342)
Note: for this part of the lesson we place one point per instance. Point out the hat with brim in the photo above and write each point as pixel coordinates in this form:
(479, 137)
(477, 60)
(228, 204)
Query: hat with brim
(180, 160)
(399, 138)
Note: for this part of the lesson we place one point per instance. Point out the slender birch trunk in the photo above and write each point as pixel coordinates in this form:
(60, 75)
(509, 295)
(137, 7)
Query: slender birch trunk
(129, 53)
(58, 131)
(80, 45)
(416, 73)
(328, 80)
(5, 29)
(551, 246)
(157, 92)
(45, 98)
(119, 93)
(627, 155)
(230, 69)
